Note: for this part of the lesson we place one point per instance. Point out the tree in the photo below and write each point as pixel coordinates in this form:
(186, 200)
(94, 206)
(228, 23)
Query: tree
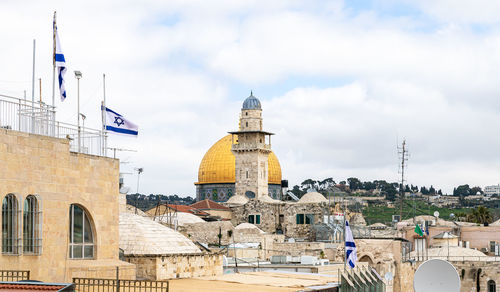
(440, 192)
(407, 189)
(354, 183)
(462, 190)
(476, 190)
(308, 184)
(432, 190)
(367, 185)
(480, 215)
(326, 183)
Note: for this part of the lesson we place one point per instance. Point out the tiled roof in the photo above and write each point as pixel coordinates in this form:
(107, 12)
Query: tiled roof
(29, 287)
(188, 209)
(209, 205)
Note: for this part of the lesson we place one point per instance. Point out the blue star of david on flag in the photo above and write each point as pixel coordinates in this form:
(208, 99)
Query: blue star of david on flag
(119, 124)
(118, 121)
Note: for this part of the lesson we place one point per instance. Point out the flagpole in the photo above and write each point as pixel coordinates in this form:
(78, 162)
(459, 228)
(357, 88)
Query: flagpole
(103, 113)
(345, 247)
(54, 60)
(33, 91)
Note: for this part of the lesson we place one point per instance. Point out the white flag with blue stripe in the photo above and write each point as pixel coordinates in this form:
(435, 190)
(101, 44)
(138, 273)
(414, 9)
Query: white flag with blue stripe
(117, 123)
(60, 64)
(350, 247)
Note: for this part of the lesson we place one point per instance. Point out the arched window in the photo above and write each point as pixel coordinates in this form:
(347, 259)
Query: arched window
(32, 241)
(492, 286)
(10, 215)
(81, 236)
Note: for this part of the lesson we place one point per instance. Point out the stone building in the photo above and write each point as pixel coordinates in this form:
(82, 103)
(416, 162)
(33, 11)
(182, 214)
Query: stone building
(160, 253)
(288, 218)
(59, 210)
(241, 163)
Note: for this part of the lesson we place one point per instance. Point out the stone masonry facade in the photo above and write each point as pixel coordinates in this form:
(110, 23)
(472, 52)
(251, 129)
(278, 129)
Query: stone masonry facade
(44, 166)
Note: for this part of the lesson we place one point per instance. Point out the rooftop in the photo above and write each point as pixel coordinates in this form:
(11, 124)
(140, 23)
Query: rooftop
(209, 205)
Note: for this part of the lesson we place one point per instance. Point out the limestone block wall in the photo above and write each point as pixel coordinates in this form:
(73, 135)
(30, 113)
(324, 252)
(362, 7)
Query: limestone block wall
(480, 236)
(299, 248)
(208, 232)
(251, 171)
(253, 118)
(33, 164)
(292, 229)
(177, 266)
(270, 216)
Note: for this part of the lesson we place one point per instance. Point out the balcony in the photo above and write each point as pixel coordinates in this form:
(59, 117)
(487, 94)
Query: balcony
(39, 118)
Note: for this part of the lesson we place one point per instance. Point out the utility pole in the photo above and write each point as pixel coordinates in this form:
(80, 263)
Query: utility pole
(403, 155)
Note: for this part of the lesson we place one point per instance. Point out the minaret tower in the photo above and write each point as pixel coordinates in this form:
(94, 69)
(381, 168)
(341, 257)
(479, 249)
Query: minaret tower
(251, 147)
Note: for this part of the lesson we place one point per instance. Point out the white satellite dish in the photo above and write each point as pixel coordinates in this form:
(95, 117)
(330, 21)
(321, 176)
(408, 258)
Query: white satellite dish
(436, 214)
(388, 276)
(436, 276)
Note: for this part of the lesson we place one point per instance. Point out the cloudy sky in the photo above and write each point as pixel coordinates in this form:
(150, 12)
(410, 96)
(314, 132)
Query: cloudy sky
(341, 82)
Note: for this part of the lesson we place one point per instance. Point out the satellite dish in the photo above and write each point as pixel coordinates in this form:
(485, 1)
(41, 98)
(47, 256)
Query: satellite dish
(452, 215)
(388, 276)
(436, 276)
(436, 214)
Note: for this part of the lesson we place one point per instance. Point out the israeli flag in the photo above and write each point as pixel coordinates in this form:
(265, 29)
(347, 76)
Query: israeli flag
(117, 123)
(350, 247)
(60, 64)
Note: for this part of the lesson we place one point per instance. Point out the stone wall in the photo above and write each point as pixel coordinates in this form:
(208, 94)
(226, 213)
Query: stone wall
(270, 216)
(479, 237)
(44, 166)
(177, 266)
(316, 249)
(207, 232)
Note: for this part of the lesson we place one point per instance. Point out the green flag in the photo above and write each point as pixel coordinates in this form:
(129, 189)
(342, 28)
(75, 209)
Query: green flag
(418, 230)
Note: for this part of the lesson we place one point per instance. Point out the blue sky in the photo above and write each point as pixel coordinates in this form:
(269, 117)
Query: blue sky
(341, 82)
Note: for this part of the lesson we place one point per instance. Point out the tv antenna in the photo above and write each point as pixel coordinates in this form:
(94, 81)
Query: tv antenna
(119, 149)
(403, 156)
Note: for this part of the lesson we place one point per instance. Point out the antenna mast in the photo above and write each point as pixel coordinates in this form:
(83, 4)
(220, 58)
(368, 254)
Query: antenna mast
(403, 155)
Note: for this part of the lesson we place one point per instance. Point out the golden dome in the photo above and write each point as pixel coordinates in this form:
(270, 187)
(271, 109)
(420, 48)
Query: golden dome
(218, 164)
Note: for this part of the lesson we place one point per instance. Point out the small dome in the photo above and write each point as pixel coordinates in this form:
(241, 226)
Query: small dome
(237, 200)
(251, 103)
(312, 197)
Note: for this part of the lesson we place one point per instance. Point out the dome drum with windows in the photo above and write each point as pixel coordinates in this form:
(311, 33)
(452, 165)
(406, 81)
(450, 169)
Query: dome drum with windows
(218, 178)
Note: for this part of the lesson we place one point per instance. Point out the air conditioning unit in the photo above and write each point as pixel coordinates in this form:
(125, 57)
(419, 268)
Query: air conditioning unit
(396, 218)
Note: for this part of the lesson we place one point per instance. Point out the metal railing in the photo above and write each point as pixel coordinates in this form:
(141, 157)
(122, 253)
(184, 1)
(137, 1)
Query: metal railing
(14, 276)
(39, 118)
(453, 258)
(101, 285)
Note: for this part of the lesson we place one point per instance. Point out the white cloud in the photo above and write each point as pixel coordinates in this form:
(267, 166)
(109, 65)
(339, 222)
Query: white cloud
(178, 69)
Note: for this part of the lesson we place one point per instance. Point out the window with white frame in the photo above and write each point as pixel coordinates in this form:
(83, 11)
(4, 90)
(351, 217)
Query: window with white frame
(81, 240)
(10, 227)
(32, 242)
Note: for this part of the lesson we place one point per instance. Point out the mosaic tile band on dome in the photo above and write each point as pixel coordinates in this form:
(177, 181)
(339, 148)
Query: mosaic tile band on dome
(216, 174)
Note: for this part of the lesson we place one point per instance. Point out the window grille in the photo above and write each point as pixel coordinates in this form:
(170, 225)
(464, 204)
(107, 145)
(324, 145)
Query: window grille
(32, 242)
(10, 228)
(81, 234)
